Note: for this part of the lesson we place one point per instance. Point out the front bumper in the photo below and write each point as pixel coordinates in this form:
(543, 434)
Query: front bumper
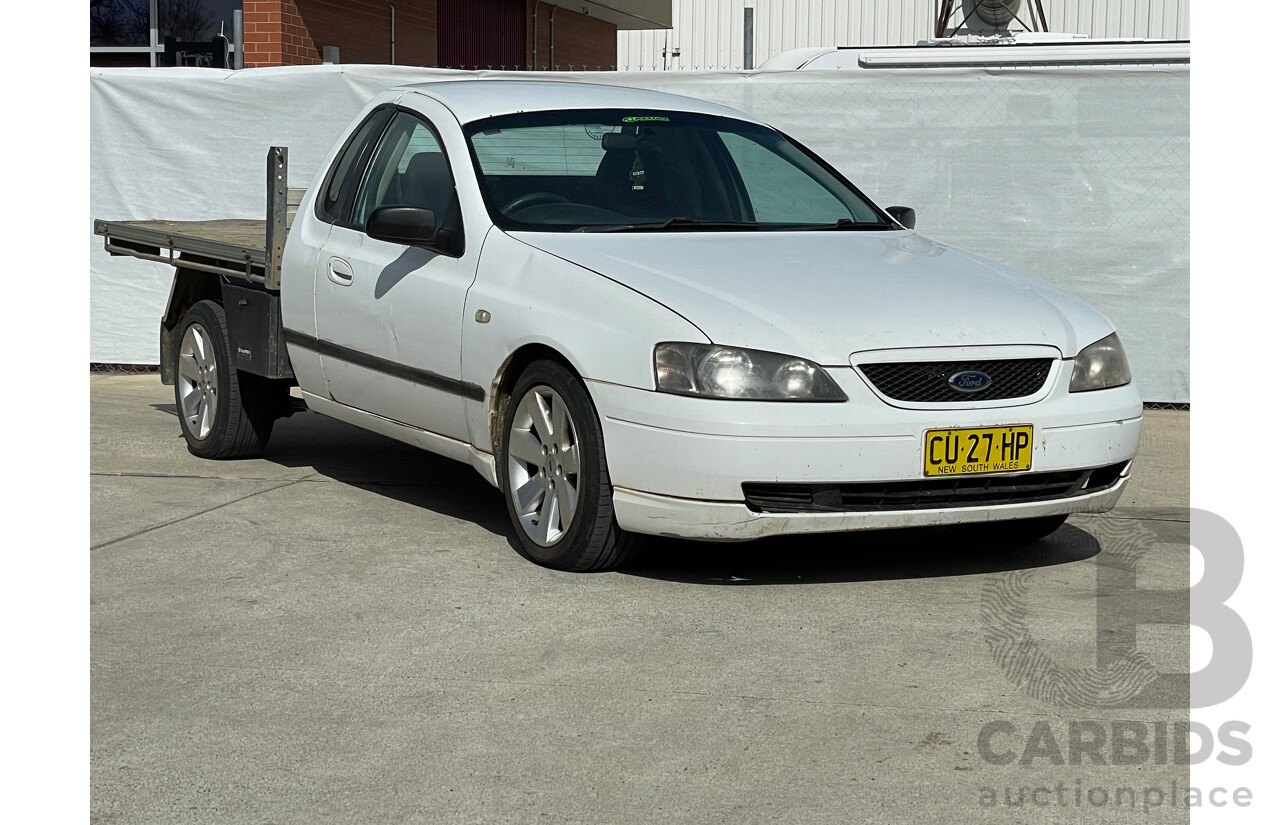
(678, 463)
(725, 521)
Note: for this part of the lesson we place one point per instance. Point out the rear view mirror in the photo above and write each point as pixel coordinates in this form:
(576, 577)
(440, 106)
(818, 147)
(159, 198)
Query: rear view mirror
(904, 215)
(403, 224)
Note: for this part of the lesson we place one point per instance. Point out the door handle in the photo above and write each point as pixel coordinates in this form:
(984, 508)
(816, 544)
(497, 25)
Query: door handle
(340, 272)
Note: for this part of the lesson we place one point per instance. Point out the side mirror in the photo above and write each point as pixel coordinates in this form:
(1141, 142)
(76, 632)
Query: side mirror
(904, 215)
(403, 224)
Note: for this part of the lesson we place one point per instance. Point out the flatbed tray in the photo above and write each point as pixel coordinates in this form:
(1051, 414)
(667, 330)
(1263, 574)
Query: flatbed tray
(232, 247)
(232, 240)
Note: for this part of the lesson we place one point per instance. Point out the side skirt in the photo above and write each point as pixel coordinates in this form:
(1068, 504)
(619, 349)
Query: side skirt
(483, 462)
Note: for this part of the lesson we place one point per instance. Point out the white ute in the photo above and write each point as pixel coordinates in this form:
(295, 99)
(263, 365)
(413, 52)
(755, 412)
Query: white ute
(639, 313)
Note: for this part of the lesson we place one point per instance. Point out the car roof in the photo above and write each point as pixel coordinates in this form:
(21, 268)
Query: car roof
(472, 100)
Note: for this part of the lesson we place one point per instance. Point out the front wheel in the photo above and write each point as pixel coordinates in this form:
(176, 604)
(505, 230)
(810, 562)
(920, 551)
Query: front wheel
(223, 413)
(554, 476)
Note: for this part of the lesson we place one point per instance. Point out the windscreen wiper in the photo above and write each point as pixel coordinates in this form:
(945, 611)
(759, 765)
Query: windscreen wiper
(681, 223)
(677, 223)
(847, 224)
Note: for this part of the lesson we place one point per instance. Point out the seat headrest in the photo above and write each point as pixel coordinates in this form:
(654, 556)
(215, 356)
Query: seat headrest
(429, 169)
(617, 140)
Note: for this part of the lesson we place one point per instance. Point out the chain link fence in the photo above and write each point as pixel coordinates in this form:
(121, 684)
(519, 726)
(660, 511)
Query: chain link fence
(557, 67)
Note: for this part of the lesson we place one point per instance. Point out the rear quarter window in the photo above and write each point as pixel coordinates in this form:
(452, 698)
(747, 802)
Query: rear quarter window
(574, 149)
(345, 173)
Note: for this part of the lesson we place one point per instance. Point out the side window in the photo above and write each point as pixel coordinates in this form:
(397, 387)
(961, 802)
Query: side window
(329, 204)
(408, 169)
(780, 192)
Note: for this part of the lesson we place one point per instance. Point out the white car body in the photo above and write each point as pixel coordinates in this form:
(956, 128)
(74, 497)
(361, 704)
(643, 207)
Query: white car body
(417, 346)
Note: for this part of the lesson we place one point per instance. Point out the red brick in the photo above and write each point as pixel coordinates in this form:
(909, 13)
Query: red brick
(293, 31)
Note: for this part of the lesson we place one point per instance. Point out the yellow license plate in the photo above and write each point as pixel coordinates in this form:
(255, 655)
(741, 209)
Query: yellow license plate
(971, 452)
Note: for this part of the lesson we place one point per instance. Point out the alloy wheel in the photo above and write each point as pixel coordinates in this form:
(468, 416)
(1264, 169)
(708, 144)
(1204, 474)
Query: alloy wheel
(197, 381)
(543, 465)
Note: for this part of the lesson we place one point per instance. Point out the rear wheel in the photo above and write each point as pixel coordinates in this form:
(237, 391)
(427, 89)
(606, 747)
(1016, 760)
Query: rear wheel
(554, 476)
(223, 413)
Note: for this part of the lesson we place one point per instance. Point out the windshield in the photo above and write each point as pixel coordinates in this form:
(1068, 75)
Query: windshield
(624, 170)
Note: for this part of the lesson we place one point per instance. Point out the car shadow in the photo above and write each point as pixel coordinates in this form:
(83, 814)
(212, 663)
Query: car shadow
(881, 555)
(349, 455)
(381, 465)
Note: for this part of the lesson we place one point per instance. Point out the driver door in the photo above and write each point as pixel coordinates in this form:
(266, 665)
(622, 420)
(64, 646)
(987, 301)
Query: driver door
(389, 315)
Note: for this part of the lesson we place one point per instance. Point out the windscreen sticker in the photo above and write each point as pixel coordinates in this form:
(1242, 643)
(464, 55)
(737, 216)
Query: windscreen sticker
(645, 118)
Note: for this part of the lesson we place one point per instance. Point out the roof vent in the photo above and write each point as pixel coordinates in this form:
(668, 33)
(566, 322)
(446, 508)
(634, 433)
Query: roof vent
(988, 18)
(997, 13)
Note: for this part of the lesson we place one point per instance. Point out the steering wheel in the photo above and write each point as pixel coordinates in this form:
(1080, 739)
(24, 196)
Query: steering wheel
(533, 199)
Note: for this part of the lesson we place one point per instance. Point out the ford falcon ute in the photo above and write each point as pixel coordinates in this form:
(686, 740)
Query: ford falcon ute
(637, 313)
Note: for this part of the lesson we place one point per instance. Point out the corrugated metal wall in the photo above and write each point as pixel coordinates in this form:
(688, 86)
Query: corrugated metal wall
(709, 33)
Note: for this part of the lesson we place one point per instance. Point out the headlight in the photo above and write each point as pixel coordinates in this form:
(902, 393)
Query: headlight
(1100, 365)
(747, 374)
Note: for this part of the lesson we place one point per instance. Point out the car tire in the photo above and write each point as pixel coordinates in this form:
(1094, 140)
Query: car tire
(223, 413)
(552, 462)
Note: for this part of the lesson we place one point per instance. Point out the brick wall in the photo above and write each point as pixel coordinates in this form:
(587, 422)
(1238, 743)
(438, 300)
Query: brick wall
(293, 32)
(262, 31)
(582, 41)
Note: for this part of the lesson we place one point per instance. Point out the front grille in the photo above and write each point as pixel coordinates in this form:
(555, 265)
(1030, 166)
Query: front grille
(926, 381)
(927, 494)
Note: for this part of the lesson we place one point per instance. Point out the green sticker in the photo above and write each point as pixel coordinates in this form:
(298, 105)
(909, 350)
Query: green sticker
(644, 118)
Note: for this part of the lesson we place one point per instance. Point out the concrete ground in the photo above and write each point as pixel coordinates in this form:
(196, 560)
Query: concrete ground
(341, 632)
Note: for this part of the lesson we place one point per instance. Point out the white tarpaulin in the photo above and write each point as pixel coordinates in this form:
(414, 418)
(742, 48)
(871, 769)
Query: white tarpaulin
(1078, 176)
